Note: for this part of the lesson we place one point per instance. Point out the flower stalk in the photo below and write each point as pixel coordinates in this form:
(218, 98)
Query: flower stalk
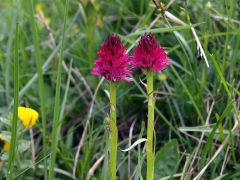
(151, 57)
(113, 132)
(150, 127)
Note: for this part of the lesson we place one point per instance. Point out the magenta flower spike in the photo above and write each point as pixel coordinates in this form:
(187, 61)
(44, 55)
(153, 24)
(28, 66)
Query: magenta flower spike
(149, 54)
(112, 62)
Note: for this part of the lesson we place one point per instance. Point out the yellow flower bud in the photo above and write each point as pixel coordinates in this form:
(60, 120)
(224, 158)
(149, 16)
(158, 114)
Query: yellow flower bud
(28, 116)
(162, 77)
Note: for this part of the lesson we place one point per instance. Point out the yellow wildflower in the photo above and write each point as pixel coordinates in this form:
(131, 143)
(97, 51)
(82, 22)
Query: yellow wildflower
(6, 145)
(39, 8)
(162, 77)
(28, 116)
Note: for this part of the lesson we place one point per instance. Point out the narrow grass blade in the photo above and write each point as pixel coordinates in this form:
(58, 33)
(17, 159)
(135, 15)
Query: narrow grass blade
(9, 56)
(188, 159)
(57, 104)
(40, 81)
(13, 142)
(162, 30)
(65, 94)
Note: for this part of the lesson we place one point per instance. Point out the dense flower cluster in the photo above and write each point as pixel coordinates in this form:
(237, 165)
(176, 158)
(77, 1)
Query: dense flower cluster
(149, 54)
(112, 62)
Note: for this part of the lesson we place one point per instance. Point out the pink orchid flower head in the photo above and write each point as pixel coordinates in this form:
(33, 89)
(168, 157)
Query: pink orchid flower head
(113, 61)
(149, 54)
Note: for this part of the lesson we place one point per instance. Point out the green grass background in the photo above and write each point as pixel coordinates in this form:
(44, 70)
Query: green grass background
(183, 101)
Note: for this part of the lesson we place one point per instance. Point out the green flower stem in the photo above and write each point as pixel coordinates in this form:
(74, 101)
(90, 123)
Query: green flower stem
(150, 153)
(113, 132)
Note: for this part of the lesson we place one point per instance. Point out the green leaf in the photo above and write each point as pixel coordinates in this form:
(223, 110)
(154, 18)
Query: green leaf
(166, 160)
